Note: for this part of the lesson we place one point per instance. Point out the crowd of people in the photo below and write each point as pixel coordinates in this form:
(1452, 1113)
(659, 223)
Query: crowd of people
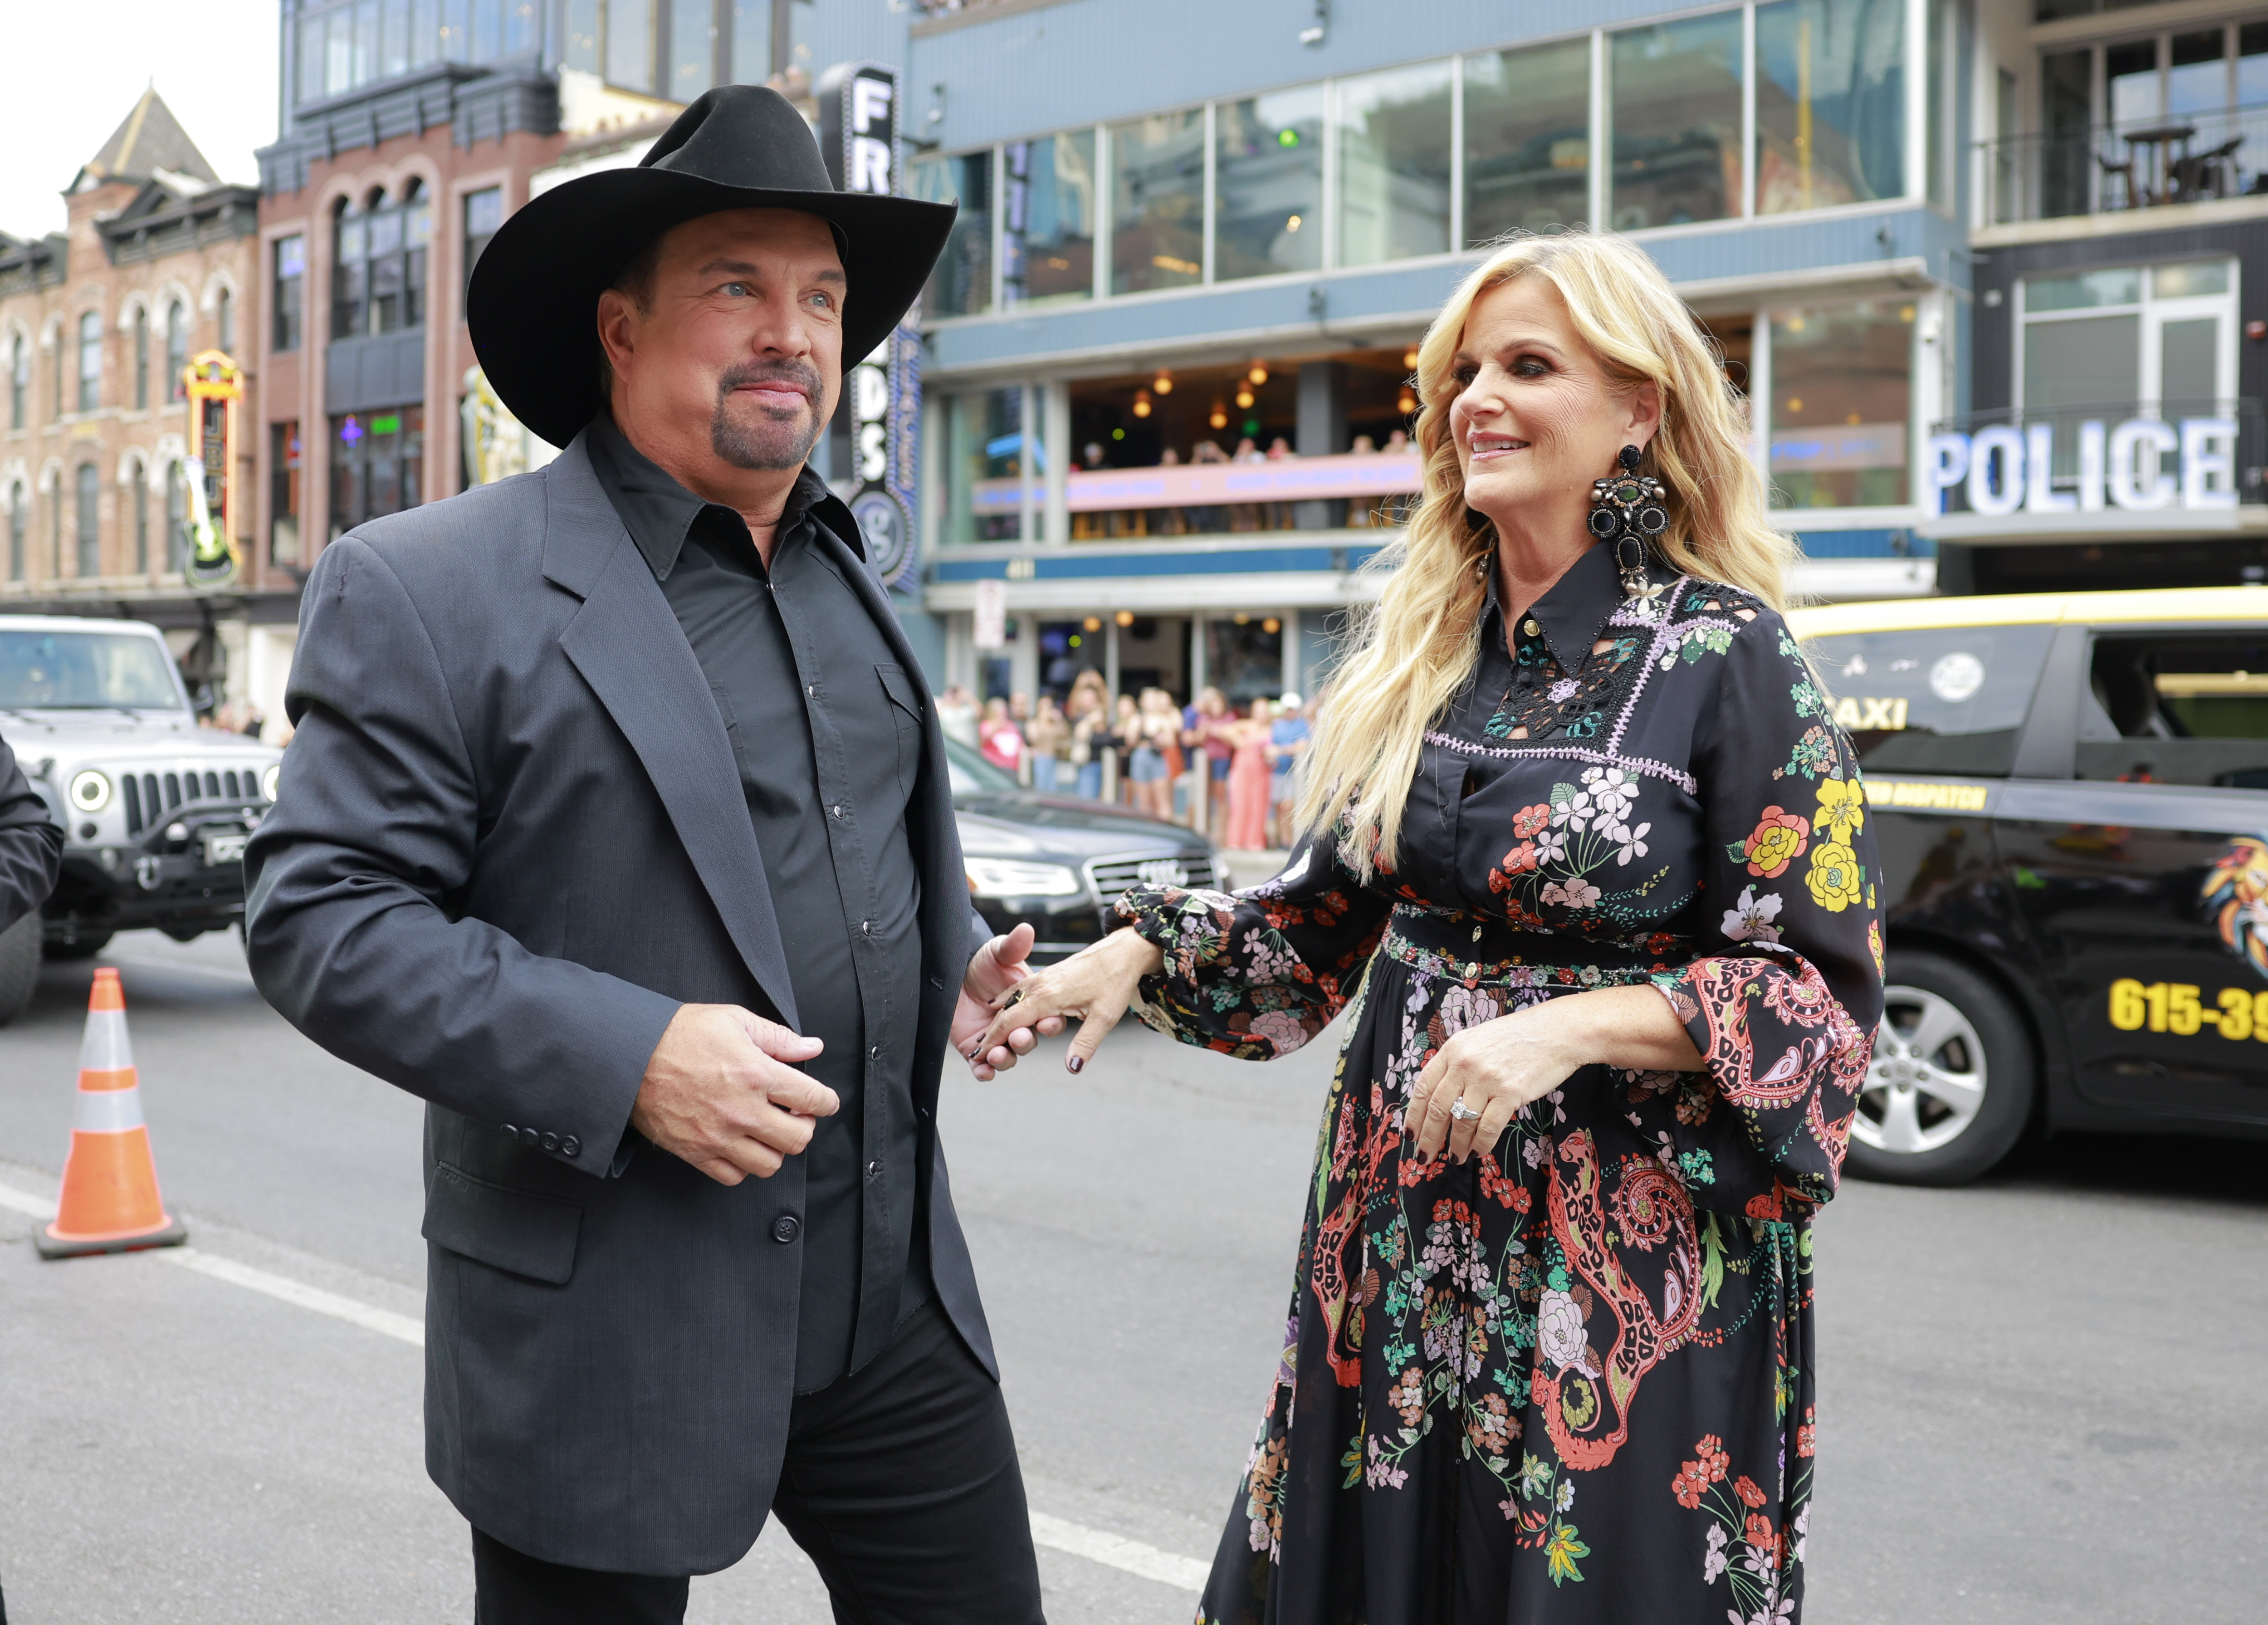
(1234, 516)
(1152, 749)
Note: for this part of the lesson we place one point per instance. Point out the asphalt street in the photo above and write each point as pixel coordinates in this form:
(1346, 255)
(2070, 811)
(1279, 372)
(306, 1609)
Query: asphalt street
(2040, 1397)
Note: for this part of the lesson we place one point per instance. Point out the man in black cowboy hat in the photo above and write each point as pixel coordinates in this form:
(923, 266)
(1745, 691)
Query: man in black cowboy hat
(617, 827)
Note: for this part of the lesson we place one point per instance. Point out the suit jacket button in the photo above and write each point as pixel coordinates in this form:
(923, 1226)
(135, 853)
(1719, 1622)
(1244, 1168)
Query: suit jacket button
(570, 1146)
(513, 1132)
(530, 1137)
(787, 1228)
(551, 1142)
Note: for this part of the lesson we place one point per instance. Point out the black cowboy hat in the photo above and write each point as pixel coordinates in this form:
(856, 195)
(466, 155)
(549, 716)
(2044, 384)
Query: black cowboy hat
(534, 301)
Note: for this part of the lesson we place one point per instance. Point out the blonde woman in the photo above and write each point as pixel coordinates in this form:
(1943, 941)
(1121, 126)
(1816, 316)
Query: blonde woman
(1591, 868)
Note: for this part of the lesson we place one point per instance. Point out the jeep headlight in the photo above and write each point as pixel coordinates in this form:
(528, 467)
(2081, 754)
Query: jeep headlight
(998, 877)
(90, 790)
(270, 779)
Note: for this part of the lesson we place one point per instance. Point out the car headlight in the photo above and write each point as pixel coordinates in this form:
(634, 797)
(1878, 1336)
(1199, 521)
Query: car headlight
(997, 877)
(270, 779)
(992, 839)
(90, 790)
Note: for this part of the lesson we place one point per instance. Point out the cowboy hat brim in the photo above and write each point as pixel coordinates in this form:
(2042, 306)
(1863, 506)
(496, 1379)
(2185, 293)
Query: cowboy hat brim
(532, 305)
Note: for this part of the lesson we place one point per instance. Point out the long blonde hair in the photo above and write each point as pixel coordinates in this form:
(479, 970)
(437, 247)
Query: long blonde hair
(1407, 658)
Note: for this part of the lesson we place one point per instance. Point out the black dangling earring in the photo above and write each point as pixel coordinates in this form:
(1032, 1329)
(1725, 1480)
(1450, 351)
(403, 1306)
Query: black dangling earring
(1626, 509)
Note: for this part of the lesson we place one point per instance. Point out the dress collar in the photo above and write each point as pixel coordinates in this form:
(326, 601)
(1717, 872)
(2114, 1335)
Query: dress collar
(658, 510)
(1573, 612)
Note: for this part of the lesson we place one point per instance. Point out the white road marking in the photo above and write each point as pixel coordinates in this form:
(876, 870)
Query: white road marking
(242, 979)
(1118, 1551)
(1134, 1557)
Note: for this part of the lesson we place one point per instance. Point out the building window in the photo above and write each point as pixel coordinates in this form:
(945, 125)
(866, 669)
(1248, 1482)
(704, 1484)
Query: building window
(1527, 139)
(177, 351)
(1394, 134)
(2125, 342)
(284, 492)
(1047, 226)
(224, 322)
(630, 43)
(1830, 103)
(692, 49)
(483, 214)
(141, 358)
(141, 519)
(1841, 397)
(350, 272)
(1157, 202)
(19, 504)
(90, 361)
(177, 519)
(19, 381)
(378, 275)
(962, 284)
(291, 292)
(89, 527)
(377, 465)
(1268, 185)
(1675, 123)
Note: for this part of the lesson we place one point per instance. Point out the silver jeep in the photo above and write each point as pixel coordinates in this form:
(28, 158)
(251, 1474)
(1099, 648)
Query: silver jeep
(155, 810)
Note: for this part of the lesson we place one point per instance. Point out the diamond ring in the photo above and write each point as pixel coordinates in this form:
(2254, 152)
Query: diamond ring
(1462, 1112)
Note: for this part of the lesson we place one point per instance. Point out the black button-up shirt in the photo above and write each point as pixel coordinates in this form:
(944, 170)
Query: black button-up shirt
(826, 731)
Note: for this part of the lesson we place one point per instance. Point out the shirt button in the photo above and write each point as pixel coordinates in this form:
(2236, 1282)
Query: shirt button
(835, 811)
(865, 927)
(873, 1051)
(810, 690)
(1529, 626)
(874, 1169)
(531, 1136)
(787, 1228)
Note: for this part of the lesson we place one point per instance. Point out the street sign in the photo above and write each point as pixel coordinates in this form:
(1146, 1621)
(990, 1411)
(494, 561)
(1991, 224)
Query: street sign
(874, 445)
(989, 626)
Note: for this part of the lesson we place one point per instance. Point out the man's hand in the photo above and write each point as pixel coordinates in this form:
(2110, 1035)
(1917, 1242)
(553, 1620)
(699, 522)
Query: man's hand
(998, 966)
(718, 1093)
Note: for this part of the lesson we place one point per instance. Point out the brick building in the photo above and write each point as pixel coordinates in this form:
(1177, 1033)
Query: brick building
(157, 263)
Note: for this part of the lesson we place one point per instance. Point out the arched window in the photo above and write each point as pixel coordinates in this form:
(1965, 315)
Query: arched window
(177, 520)
(19, 383)
(350, 272)
(416, 232)
(90, 527)
(142, 359)
(90, 361)
(19, 510)
(224, 320)
(177, 351)
(140, 477)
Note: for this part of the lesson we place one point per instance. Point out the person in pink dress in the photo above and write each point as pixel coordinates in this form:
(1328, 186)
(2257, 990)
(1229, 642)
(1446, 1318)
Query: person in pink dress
(1251, 780)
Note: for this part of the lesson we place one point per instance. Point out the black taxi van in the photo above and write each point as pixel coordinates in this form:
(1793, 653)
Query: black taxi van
(2070, 795)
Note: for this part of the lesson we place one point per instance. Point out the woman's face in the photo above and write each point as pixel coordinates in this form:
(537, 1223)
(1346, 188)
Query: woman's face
(1537, 417)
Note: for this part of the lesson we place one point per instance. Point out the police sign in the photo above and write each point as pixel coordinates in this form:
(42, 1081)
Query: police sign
(875, 449)
(2141, 465)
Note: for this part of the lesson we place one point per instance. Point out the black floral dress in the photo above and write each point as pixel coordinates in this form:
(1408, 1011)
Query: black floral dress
(1571, 1379)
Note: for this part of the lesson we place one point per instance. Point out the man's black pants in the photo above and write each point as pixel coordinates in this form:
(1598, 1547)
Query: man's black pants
(901, 1483)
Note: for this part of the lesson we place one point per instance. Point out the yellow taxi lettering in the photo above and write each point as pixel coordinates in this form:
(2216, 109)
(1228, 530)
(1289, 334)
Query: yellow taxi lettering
(2126, 1004)
(2183, 1014)
(1846, 714)
(1927, 797)
(2154, 995)
(2235, 1013)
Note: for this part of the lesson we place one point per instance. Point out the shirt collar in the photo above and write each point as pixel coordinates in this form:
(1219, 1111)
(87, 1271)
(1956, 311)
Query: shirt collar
(659, 512)
(1572, 613)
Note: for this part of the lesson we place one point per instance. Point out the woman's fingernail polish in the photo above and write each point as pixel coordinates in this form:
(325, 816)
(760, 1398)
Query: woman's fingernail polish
(1076, 1063)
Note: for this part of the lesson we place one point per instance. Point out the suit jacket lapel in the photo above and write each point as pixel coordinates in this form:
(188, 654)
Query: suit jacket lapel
(629, 647)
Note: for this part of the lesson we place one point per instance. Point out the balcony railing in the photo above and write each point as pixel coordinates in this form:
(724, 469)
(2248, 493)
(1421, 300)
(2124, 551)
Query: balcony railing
(2114, 456)
(2138, 163)
(1352, 489)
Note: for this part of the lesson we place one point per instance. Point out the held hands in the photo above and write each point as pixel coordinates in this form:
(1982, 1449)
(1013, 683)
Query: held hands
(1094, 986)
(998, 967)
(720, 1092)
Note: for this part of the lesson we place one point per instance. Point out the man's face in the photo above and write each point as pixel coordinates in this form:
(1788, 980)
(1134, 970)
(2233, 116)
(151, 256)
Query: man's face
(736, 362)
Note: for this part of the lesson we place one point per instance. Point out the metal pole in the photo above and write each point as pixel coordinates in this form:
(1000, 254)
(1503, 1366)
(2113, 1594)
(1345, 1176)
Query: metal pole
(1027, 516)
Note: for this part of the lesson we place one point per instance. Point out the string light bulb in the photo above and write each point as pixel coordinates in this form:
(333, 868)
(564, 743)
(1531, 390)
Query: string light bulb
(1409, 360)
(1093, 623)
(1163, 384)
(1125, 617)
(1141, 403)
(1271, 626)
(1406, 404)
(1219, 419)
(1244, 398)
(1258, 375)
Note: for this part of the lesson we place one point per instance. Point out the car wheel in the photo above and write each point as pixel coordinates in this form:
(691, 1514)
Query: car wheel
(1950, 1086)
(89, 944)
(19, 966)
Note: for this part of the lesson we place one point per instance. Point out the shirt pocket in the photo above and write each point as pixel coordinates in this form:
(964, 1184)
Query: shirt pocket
(906, 716)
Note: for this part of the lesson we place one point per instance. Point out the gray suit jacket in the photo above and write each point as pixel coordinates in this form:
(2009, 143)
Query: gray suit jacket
(511, 840)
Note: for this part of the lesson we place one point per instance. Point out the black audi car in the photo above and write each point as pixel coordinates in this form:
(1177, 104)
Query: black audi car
(2070, 795)
(1058, 861)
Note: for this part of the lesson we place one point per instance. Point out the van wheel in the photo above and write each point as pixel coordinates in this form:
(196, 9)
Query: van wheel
(89, 944)
(1950, 1086)
(19, 966)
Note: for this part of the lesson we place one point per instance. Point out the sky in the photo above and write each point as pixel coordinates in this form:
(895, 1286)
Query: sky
(213, 61)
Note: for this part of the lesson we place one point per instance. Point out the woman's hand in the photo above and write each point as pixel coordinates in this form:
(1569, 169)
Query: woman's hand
(1093, 987)
(1494, 1069)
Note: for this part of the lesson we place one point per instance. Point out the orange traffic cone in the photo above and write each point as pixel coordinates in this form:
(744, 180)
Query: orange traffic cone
(110, 1201)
